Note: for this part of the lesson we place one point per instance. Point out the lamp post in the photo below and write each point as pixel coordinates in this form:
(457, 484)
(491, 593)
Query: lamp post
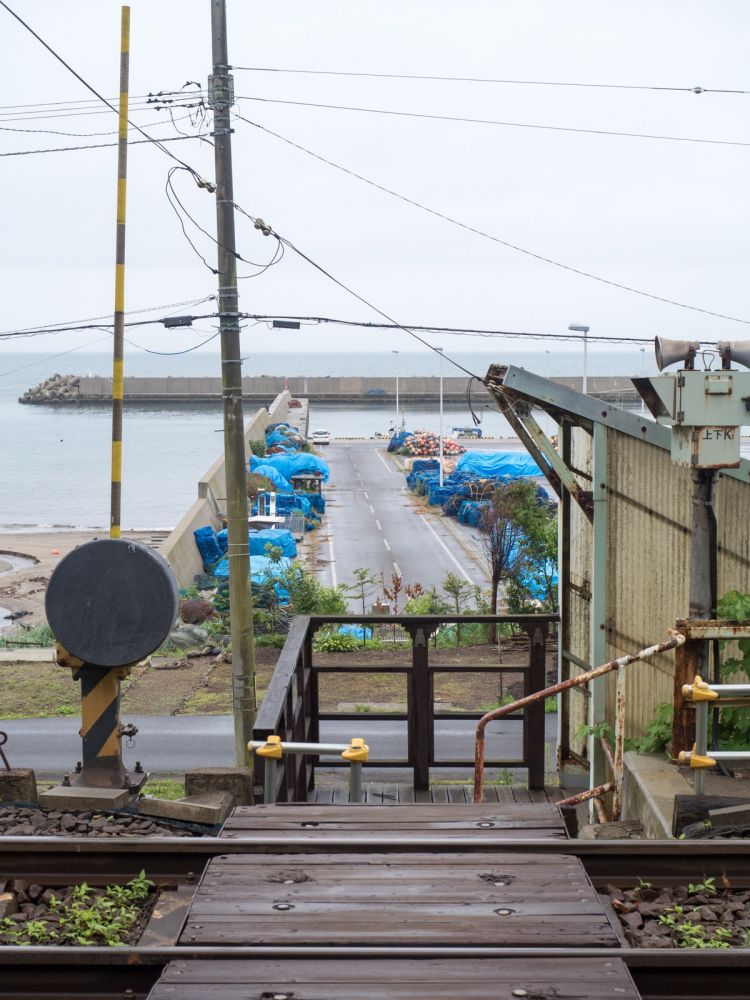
(396, 353)
(580, 328)
(440, 455)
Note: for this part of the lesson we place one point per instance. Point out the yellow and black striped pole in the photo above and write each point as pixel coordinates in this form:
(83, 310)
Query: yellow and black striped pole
(119, 330)
(100, 725)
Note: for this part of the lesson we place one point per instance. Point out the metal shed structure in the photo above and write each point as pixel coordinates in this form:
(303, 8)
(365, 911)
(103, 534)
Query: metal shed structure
(625, 542)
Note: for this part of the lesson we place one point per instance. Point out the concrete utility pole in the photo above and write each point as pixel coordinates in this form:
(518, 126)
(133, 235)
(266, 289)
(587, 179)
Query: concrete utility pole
(221, 98)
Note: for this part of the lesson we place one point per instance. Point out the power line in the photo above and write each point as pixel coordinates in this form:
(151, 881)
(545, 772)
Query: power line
(20, 116)
(85, 135)
(97, 145)
(268, 231)
(51, 357)
(480, 79)
(490, 121)
(495, 239)
(89, 87)
(88, 100)
(75, 324)
(456, 331)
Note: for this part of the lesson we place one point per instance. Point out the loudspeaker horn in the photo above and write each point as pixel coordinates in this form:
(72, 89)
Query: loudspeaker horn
(734, 350)
(669, 352)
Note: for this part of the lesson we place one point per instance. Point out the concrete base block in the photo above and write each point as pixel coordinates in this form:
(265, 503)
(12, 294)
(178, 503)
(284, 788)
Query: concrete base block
(78, 797)
(650, 784)
(212, 807)
(236, 780)
(18, 785)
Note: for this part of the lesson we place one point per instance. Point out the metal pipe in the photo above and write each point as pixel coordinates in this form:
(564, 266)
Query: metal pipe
(316, 748)
(701, 743)
(589, 793)
(601, 815)
(619, 743)
(269, 780)
(722, 755)
(677, 640)
(355, 782)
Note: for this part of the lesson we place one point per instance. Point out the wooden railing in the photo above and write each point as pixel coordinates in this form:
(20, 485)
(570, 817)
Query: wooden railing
(291, 705)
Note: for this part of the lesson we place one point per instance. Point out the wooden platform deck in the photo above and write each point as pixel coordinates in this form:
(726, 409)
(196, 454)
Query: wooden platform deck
(396, 794)
(358, 877)
(398, 979)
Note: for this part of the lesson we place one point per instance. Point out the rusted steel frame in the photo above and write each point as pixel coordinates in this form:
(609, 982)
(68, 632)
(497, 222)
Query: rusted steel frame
(589, 793)
(608, 753)
(683, 717)
(513, 418)
(498, 713)
(3, 741)
(619, 743)
(601, 814)
(533, 715)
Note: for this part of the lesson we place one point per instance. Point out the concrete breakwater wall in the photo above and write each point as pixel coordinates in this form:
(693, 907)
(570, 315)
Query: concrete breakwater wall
(179, 548)
(328, 388)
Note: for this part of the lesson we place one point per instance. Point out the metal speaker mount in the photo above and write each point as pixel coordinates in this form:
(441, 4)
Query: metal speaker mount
(734, 350)
(670, 352)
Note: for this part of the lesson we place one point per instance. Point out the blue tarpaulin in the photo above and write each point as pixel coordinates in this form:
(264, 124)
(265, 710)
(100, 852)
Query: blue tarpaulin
(358, 631)
(488, 464)
(273, 475)
(272, 536)
(293, 464)
(205, 539)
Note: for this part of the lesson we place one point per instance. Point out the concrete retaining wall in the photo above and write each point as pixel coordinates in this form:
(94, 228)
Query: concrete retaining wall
(179, 548)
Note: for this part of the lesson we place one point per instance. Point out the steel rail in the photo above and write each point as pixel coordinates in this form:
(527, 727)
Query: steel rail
(677, 640)
(175, 859)
(128, 956)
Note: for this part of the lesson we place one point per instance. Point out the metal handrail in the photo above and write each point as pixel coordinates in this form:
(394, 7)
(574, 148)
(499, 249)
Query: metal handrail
(498, 713)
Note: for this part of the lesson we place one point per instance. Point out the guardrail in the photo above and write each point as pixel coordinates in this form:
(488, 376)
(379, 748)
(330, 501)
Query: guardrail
(291, 706)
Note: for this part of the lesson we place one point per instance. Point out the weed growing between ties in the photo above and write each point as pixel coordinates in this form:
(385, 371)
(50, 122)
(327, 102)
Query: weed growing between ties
(113, 915)
(697, 915)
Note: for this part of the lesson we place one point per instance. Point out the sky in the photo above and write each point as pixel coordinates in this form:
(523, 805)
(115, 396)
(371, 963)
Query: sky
(665, 217)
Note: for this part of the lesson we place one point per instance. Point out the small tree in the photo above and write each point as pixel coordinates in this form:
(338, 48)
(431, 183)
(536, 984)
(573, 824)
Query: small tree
(362, 587)
(460, 593)
(501, 539)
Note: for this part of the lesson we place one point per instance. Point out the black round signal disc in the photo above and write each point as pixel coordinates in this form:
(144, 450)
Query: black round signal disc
(112, 602)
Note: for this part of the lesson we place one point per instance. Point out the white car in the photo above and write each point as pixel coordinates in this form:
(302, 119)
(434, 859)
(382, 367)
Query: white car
(321, 437)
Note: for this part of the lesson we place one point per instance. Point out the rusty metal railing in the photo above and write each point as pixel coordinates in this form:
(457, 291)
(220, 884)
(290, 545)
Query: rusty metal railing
(677, 640)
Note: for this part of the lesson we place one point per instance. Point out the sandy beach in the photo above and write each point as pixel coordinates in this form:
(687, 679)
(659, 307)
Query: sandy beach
(24, 589)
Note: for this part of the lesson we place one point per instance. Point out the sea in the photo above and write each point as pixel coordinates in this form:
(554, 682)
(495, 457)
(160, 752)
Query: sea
(55, 461)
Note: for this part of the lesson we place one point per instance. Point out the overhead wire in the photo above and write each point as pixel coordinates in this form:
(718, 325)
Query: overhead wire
(75, 324)
(484, 79)
(495, 239)
(269, 231)
(51, 357)
(92, 135)
(92, 89)
(95, 145)
(503, 124)
(91, 100)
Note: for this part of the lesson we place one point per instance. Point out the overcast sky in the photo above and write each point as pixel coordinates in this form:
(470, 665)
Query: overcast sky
(670, 218)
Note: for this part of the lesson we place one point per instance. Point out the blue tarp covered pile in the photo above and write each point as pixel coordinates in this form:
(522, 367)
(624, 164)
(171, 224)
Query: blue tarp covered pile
(212, 545)
(494, 464)
(398, 439)
(292, 464)
(272, 474)
(472, 511)
(283, 436)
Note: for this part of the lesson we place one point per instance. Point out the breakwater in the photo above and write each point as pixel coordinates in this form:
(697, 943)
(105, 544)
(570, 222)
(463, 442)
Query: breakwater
(262, 389)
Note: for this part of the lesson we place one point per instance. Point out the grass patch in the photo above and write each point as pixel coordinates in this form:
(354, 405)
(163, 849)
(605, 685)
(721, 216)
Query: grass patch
(165, 788)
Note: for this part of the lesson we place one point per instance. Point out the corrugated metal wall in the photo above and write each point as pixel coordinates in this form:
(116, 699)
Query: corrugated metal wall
(648, 554)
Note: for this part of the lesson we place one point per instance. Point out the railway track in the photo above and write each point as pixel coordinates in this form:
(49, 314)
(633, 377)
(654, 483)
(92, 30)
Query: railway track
(177, 864)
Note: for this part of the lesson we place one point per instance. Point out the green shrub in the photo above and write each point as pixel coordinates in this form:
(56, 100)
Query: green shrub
(272, 639)
(332, 641)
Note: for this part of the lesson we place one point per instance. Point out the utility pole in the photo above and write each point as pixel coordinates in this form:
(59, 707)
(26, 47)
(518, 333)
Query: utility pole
(221, 98)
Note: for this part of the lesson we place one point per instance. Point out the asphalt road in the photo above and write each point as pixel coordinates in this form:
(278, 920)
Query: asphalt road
(373, 521)
(172, 744)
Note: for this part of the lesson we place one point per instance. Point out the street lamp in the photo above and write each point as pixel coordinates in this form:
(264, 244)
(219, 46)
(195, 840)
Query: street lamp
(580, 328)
(440, 456)
(396, 353)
